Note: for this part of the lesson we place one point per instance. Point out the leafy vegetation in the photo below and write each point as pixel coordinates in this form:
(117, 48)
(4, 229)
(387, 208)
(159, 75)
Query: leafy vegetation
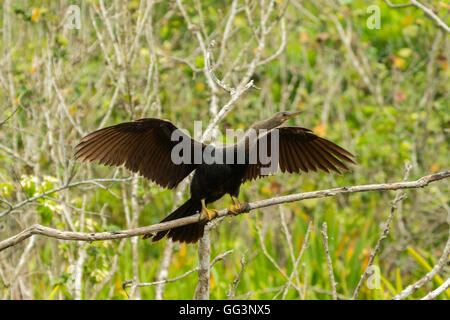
(384, 97)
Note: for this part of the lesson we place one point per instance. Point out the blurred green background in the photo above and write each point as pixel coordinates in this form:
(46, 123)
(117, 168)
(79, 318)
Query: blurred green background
(383, 95)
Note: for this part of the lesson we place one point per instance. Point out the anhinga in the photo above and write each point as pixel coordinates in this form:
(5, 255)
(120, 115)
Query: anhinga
(145, 146)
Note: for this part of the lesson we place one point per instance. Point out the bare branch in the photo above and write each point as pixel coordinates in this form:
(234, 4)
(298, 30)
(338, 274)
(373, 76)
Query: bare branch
(67, 186)
(398, 198)
(428, 277)
(226, 108)
(426, 10)
(329, 264)
(232, 291)
(163, 271)
(297, 261)
(404, 5)
(282, 45)
(213, 76)
(220, 257)
(79, 273)
(81, 236)
(204, 256)
(268, 256)
(11, 115)
(16, 155)
(433, 294)
(384, 235)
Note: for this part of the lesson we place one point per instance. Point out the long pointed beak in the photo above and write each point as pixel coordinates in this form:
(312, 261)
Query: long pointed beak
(293, 114)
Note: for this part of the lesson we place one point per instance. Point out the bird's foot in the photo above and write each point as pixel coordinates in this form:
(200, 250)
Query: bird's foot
(208, 214)
(238, 207)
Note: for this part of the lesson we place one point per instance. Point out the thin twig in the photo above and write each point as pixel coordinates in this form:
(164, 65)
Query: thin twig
(384, 235)
(300, 255)
(426, 10)
(232, 291)
(428, 277)
(220, 257)
(67, 186)
(398, 198)
(221, 84)
(329, 263)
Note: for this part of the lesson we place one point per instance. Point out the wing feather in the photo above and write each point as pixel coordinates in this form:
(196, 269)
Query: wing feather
(301, 149)
(143, 146)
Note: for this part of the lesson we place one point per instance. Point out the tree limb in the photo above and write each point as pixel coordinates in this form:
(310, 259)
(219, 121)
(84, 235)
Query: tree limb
(83, 236)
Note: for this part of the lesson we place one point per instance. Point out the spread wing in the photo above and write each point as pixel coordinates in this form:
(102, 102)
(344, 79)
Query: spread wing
(301, 150)
(144, 146)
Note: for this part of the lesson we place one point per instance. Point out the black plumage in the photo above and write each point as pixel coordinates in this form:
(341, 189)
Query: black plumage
(145, 146)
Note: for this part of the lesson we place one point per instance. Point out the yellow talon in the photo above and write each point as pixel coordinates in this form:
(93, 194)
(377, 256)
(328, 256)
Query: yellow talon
(210, 213)
(237, 207)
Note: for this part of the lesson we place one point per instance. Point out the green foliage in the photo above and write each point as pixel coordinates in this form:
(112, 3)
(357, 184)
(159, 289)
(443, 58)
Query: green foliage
(163, 79)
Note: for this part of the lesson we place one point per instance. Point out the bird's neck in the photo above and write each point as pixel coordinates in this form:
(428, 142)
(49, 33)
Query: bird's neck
(256, 131)
(263, 124)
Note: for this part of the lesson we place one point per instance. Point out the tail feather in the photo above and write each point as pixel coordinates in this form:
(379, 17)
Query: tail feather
(190, 233)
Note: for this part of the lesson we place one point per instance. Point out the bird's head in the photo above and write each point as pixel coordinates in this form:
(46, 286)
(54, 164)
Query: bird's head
(281, 117)
(276, 120)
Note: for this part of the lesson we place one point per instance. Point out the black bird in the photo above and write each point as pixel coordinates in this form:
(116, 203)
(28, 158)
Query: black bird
(145, 146)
